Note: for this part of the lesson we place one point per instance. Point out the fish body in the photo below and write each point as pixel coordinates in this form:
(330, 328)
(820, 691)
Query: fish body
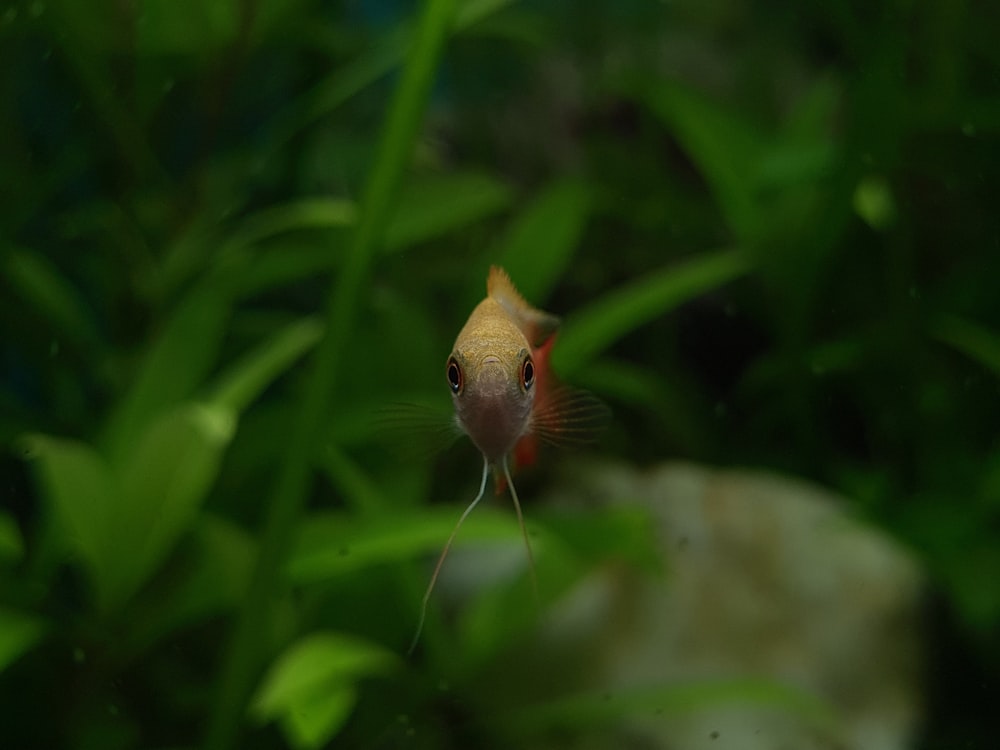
(498, 368)
(506, 399)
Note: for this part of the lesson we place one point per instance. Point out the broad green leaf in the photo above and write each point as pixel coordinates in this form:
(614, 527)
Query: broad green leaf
(334, 544)
(83, 498)
(11, 543)
(540, 243)
(435, 205)
(213, 577)
(39, 284)
(972, 339)
(164, 480)
(724, 146)
(310, 687)
(597, 326)
(174, 366)
(18, 633)
(242, 383)
(316, 718)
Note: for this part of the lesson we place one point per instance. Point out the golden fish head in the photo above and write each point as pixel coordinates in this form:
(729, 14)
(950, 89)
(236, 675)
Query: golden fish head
(493, 392)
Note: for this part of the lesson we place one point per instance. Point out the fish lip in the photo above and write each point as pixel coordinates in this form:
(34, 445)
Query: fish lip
(491, 359)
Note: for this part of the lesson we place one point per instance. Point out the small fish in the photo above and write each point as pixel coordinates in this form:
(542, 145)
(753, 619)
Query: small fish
(506, 399)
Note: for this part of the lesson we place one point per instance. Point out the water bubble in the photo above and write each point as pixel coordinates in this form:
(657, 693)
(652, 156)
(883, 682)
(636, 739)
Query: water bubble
(10, 15)
(968, 129)
(36, 9)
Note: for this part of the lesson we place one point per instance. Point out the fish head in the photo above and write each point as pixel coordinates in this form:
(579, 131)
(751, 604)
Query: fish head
(492, 382)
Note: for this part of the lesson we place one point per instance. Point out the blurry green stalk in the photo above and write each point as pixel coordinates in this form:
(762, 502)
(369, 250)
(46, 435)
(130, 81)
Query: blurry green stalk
(246, 655)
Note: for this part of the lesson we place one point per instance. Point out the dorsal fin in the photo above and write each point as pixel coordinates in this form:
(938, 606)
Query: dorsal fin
(536, 325)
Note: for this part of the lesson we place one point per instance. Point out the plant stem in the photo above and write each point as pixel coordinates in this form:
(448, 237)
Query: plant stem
(246, 654)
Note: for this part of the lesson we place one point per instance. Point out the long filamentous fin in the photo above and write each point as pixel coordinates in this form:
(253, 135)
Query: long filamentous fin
(524, 530)
(444, 554)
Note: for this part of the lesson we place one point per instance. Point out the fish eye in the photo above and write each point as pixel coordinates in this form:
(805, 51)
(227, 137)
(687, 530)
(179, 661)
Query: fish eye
(527, 373)
(454, 376)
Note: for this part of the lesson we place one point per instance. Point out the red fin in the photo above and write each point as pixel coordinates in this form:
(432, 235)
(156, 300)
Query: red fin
(561, 415)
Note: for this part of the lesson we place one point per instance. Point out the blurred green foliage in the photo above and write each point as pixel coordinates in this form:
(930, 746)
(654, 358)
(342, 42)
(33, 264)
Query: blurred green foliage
(232, 231)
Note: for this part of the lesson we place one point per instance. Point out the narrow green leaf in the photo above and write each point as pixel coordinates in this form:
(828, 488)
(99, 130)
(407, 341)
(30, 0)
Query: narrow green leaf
(11, 543)
(348, 80)
(308, 213)
(242, 383)
(972, 339)
(41, 286)
(186, 27)
(540, 243)
(438, 204)
(285, 263)
(724, 146)
(18, 634)
(597, 326)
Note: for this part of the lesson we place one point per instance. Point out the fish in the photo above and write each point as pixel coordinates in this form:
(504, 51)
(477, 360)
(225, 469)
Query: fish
(507, 401)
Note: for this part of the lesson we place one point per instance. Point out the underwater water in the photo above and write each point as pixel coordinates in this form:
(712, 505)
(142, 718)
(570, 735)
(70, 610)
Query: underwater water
(237, 243)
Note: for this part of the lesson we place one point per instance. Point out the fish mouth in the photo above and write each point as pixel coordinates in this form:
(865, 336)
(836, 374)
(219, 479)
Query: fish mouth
(491, 359)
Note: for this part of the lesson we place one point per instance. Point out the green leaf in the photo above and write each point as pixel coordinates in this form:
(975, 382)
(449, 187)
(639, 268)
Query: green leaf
(173, 368)
(239, 386)
(11, 543)
(39, 284)
(874, 203)
(310, 688)
(212, 578)
(186, 27)
(540, 243)
(597, 326)
(972, 339)
(284, 263)
(308, 213)
(164, 480)
(83, 498)
(435, 205)
(350, 79)
(317, 717)
(334, 544)
(18, 634)
(724, 146)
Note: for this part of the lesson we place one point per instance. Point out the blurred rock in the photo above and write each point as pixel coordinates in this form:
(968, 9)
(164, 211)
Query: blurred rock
(769, 584)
